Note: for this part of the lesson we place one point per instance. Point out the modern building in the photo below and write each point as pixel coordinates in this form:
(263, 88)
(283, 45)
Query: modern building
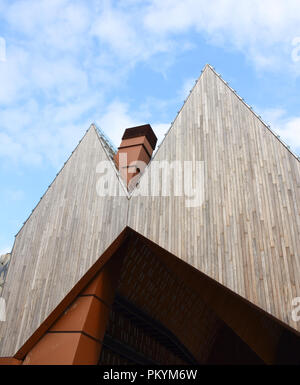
(187, 256)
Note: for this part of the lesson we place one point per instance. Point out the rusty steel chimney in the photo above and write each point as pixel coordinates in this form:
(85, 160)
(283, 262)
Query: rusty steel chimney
(135, 152)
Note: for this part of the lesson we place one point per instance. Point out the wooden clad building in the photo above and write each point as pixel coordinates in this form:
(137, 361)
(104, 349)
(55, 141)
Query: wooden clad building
(153, 274)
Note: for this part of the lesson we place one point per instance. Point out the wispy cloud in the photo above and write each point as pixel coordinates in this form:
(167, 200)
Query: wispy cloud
(118, 117)
(68, 63)
(14, 195)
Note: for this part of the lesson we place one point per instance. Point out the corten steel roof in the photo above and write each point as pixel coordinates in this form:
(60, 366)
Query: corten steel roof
(144, 130)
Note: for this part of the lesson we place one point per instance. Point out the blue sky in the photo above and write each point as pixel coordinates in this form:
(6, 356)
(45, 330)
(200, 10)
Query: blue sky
(67, 63)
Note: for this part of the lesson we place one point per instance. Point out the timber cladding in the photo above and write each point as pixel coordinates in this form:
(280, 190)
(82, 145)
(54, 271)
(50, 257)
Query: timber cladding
(245, 235)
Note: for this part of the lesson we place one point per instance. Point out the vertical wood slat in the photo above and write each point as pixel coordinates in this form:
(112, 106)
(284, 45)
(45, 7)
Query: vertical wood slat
(248, 229)
(66, 234)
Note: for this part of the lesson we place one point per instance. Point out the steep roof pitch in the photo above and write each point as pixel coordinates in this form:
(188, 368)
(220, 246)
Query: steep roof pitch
(245, 235)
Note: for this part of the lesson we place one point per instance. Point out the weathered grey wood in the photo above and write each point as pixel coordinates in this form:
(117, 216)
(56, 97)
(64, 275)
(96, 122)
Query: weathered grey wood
(67, 232)
(246, 235)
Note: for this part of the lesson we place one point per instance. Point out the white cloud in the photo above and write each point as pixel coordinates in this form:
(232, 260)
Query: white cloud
(64, 57)
(290, 132)
(114, 28)
(51, 23)
(8, 147)
(55, 79)
(33, 134)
